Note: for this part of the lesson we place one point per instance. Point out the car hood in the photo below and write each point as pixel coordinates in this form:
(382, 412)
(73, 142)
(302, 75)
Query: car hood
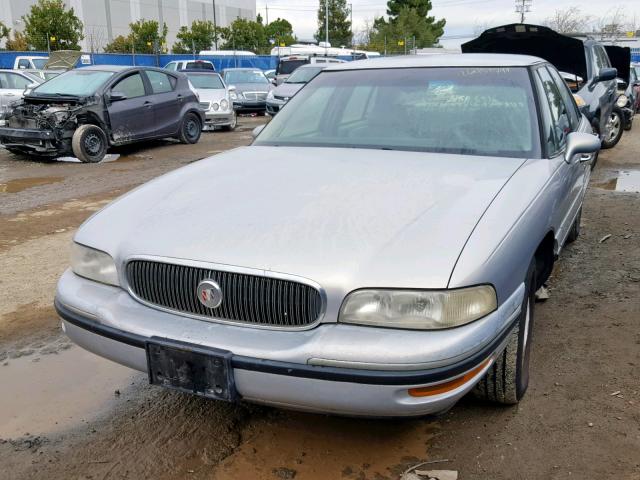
(345, 218)
(565, 53)
(252, 87)
(620, 58)
(212, 94)
(287, 89)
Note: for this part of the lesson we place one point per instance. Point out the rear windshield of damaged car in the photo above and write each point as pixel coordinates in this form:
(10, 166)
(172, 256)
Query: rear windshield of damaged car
(475, 111)
(75, 82)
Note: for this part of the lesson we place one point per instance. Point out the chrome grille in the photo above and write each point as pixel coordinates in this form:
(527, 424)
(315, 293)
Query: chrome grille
(249, 299)
(255, 95)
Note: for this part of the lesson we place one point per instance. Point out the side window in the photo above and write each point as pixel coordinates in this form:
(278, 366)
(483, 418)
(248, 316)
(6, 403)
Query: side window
(567, 97)
(170, 66)
(160, 82)
(602, 60)
(4, 82)
(18, 81)
(550, 101)
(23, 63)
(132, 86)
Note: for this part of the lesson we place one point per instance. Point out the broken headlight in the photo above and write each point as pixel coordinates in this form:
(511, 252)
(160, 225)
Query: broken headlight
(93, 264)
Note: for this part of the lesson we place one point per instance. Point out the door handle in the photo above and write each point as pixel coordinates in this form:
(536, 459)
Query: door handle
(147, 103)
(179, 97)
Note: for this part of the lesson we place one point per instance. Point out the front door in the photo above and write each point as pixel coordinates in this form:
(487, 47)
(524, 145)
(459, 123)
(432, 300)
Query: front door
(132, 117)
(12, 86)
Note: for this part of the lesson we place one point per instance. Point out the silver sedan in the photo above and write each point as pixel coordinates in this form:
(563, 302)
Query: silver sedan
(374, 252)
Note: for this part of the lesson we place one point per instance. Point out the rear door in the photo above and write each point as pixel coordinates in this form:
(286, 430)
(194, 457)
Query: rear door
(131, 118)
(12, 86)
(167, 102)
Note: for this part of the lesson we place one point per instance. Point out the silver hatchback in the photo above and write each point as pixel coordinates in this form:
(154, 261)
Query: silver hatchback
(375, 251)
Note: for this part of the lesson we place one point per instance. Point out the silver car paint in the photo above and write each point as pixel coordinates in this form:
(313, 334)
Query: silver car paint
(345, 219)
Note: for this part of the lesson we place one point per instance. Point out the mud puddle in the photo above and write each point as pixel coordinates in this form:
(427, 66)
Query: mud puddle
(20, 184)
(52, 393)
(317, 447)
(625, 181)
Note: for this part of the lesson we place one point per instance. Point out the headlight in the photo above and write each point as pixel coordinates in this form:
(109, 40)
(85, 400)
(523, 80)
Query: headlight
(418, 309)
(93, 264)
(215, 106)
(224, 104)
(270, 95)
(622, 101)
(579, 101)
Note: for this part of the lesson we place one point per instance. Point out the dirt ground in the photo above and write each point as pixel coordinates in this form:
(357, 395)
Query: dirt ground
(67, 414)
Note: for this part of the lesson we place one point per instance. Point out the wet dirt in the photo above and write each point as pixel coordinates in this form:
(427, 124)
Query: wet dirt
(627, 181)
(77, 385)
(20, 184)
(579, 419)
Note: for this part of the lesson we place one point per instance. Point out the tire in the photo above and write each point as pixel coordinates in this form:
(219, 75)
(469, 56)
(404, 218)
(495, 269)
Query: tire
(574, 233)
(191, 129)
(232, 126)
(614, 129)
(508, 378)
(89, 143)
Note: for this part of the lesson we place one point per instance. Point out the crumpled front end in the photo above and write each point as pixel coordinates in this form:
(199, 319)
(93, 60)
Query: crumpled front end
(41, 128)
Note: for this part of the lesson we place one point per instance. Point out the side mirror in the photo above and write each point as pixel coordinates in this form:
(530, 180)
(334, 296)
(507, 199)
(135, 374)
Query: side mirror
(232, 88)
(29, 87)
(117, 96)
(274, 81)
(579, 142)
(605, 74)
(256, 131)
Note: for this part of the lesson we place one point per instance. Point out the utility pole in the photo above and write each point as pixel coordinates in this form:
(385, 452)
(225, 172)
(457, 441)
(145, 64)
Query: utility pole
(326, 26)
(523, 7)
(266, 8)
(215, 26)
(351, 23)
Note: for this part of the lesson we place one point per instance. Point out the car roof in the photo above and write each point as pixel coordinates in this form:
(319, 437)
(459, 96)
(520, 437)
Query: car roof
(199, 70)
(441, 60)
(121, 68)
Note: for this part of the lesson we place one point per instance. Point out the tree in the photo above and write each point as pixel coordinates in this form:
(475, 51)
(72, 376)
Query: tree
(120, 44)
(568, 20)
(4, 31)
(280, 31)
(145, 37)
(245, 34)
(201, 36)
(339, 24)
(409, 29)
(50, 24)
(18, 44)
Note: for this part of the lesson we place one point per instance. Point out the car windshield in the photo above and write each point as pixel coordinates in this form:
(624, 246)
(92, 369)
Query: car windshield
(475, 111)
(303, 75)
(74, 82)
(39, 63)
(245, 76)
(205, 81)
(285, 67)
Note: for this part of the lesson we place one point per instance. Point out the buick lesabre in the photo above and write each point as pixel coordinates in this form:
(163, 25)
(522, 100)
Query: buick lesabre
(374, 252)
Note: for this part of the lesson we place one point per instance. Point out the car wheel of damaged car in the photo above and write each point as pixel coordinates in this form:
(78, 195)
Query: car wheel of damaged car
(89, 143)
(614, 129)
(191, 129)
(508, 378)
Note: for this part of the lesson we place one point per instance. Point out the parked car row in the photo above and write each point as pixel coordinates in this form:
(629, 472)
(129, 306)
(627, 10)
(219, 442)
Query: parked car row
(588, 67)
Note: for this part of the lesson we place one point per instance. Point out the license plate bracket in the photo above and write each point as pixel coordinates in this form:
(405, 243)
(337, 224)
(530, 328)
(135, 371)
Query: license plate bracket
(190, 368)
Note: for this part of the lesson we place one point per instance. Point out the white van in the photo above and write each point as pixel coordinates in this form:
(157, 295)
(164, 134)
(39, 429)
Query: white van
(287, 65)
(190, 65)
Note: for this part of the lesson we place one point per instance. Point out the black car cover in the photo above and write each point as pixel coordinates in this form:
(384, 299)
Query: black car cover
(567, 54)
(621, 59)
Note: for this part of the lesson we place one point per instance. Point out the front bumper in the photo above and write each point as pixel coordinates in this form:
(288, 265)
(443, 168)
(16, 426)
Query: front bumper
(218, 118)
(30, 139)
(281, 368)
(249, 105)
(274, 106)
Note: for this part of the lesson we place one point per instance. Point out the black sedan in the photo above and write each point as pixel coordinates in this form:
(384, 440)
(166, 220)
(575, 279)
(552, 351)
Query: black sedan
(85, 111)
(249, 89)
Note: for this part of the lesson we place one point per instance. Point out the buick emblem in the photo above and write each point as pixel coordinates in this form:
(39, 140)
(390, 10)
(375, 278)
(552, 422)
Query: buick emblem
(209, 293)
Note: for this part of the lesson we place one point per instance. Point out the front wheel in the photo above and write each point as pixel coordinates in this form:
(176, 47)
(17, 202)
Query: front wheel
(89, 143)
(191, 129)
(508, 378)
(614, 128)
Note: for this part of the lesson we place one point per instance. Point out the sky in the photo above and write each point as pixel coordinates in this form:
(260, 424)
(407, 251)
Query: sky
(464, 17)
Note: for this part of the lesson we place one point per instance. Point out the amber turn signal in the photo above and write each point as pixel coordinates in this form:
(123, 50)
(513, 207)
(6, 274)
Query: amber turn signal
(447, 386)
